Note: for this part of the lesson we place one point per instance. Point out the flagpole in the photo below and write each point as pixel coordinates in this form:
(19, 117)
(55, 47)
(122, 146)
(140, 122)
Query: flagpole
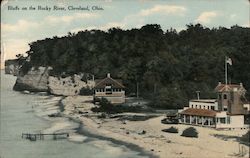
(226, 70)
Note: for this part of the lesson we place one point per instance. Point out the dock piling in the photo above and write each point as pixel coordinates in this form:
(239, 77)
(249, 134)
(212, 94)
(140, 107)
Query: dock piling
(40, 136)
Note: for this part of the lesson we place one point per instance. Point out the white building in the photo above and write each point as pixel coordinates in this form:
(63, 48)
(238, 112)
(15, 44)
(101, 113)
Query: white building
(227, 111)
(210, 104)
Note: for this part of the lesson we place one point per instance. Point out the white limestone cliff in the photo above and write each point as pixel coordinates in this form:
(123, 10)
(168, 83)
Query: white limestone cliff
(70, 85)
(39, 80)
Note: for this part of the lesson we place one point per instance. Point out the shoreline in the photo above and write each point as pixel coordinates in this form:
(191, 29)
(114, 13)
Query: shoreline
(81, 129)
(84, 130)
(128, 145)
(155, 142)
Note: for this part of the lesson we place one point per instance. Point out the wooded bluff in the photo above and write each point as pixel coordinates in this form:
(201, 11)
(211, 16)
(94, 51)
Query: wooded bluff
(168, 66)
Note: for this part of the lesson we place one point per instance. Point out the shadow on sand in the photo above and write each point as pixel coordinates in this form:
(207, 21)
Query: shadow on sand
(242, 149)
(233, 138)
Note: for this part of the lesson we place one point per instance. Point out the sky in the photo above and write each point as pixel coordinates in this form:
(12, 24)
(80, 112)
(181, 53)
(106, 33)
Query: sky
(21, 27)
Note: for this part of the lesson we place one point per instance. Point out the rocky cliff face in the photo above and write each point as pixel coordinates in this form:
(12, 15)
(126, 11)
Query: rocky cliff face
(39, 80)
(11, 67)
(35, 80)
(70, 85)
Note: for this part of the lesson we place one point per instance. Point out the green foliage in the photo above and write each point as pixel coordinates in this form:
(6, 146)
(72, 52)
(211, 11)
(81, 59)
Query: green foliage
(106, 106)
(105, 103)
(86, 91)
(168, 66)
(171, 130)
(190, 132)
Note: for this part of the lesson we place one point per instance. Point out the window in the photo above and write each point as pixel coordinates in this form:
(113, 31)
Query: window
(204, 107)
(208, 107)
(223, 120)
(192, 105)
(108, 90)
(225, 96)
(219, 96)
(200, 106)
(196, 106)
(212, 107)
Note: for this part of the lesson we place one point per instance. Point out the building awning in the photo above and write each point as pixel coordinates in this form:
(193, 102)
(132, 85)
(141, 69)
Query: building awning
(199, 112)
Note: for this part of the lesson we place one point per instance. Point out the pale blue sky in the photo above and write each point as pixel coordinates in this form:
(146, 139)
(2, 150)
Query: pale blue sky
(18, 28)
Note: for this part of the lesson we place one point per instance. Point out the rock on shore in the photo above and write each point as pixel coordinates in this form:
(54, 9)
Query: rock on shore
(35, 80)
(70, 85)
(39, 80)
(11, 67)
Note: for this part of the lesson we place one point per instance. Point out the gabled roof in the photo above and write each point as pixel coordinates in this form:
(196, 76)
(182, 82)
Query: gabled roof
(199, 112)
(229, 87)
(116, 83)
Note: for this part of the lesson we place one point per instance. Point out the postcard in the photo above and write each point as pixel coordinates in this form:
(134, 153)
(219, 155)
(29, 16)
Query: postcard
(125, 79)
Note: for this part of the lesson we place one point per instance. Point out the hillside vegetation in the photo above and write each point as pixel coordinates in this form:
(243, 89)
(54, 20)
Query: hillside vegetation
(168, 66)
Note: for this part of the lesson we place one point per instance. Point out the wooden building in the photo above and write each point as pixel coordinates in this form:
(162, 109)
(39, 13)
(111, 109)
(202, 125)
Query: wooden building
(111, 89)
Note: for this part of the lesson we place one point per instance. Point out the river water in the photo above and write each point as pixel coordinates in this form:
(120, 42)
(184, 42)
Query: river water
(22, 113)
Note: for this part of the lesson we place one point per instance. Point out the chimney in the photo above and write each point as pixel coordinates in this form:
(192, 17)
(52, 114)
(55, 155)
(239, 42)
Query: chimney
(219, 83)
(241, 84)
(108, 75)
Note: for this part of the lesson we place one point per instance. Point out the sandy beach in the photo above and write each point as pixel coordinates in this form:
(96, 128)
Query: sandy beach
(211, 143)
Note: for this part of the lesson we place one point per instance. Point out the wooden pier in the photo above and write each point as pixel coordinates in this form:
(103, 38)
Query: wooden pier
(40, 136)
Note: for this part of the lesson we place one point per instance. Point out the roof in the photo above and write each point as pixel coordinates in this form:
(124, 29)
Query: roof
(199, 112)
(116, 83)
(229, 87)
(204, 100)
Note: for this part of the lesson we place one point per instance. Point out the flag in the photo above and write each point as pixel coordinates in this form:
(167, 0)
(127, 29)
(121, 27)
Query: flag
(229, 61)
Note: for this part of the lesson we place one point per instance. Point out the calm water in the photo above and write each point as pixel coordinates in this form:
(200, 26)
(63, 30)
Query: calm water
(17, 116)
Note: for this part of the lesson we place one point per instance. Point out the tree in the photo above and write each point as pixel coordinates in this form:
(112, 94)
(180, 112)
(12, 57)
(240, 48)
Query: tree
(168, 66)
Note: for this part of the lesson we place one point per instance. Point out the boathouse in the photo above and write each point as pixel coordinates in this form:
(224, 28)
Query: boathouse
(111, 89)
